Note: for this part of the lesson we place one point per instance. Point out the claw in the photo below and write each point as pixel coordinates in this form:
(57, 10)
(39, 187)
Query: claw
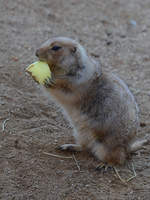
(104, 167)
(49, 82)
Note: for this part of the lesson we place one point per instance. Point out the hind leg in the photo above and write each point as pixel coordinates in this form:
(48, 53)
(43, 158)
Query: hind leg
(100, 152)
(112, 156)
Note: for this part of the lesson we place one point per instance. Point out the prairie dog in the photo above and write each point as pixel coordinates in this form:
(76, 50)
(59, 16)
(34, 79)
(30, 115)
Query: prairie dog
(100, 106)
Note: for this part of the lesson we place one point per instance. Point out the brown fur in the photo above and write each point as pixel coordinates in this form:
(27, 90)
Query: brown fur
(100, 106)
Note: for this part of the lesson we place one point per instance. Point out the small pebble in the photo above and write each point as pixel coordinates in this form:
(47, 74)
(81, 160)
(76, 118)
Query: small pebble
(142, 124)
(108, 43)
(133, 22)
(15, 59)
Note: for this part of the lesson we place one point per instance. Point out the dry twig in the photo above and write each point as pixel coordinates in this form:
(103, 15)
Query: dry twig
(129, 179)
(4, 124)
(117, 173)
(134, 173)
(74, 158)
(56, 156)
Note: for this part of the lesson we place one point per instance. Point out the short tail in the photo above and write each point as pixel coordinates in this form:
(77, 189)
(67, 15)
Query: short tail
(138, 144)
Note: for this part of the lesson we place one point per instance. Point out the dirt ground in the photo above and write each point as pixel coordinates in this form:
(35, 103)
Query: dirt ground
(117, 33)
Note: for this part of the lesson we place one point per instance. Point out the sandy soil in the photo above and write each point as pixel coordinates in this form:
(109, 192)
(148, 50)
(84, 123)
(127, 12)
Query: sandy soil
(117, 34)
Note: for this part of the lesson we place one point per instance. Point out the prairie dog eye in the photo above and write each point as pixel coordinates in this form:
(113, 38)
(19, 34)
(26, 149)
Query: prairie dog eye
(56, 48)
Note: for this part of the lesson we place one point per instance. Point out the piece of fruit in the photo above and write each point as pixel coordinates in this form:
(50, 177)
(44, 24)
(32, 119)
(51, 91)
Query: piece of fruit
(39, 71)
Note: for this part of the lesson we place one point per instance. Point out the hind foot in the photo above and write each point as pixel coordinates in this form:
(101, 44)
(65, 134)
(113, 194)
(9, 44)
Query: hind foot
(104, 167)
(70, 147)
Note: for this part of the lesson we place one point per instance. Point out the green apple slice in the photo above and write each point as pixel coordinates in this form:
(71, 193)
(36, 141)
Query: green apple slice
(39, 71)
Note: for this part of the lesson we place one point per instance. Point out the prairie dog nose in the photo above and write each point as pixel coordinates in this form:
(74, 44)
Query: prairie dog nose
(37, 52)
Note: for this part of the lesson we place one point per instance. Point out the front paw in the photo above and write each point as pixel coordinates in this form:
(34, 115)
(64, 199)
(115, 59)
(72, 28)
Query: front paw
(49, 82)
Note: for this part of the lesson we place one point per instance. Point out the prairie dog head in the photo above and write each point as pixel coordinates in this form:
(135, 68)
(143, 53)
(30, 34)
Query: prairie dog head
(67, 59)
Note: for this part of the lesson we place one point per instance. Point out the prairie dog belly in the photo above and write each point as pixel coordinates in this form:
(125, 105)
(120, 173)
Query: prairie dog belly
(81, 129)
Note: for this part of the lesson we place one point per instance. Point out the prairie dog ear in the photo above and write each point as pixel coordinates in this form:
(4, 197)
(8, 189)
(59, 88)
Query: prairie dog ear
(73, 49)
